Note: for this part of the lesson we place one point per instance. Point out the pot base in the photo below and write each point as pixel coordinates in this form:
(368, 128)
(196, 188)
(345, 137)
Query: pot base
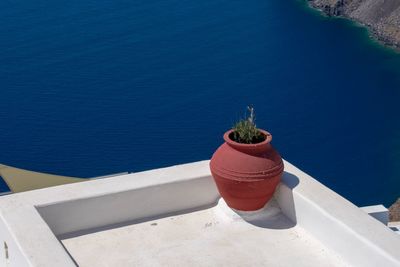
(246, 195)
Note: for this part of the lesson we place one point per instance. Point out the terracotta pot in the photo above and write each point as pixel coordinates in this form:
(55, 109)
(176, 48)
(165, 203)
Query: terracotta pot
(246, 174)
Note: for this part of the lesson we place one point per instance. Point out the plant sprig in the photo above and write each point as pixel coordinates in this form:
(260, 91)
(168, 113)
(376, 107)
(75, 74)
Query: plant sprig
(245, 131)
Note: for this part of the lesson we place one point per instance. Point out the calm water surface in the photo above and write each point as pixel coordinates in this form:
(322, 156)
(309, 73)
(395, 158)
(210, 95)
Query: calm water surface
(96, 87)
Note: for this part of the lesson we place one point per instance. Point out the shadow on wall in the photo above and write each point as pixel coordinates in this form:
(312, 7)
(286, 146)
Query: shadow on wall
(279, 212)
(290, 180)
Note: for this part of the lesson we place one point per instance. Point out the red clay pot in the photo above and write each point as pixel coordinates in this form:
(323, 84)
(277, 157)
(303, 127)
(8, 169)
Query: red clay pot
(246, 174)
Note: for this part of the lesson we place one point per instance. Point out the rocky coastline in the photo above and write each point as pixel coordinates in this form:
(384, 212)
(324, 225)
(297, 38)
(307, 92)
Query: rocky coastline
(394, 212)
(382, 17)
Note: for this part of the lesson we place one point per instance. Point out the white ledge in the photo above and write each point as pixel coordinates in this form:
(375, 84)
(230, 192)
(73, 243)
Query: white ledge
(45, 227)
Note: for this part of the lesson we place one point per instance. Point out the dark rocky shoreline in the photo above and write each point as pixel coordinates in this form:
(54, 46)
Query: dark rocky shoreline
(382, 17)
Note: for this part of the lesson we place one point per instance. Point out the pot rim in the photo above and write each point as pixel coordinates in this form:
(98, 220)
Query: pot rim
(268, 139)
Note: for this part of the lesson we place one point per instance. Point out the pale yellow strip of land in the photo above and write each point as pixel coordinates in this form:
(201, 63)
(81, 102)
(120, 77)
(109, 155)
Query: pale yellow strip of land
(20, 180)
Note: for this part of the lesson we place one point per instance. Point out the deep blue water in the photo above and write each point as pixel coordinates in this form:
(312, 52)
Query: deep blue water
(92, 87)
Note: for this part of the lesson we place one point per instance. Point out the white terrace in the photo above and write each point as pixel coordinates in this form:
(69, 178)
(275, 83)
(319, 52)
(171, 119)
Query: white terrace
(175, 217)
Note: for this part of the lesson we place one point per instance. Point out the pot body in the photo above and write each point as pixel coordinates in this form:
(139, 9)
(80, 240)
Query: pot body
(246, 175)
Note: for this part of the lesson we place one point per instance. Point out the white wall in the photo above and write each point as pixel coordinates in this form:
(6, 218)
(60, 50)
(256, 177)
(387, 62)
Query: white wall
(341, 226)
(88, 213)
(15, 255)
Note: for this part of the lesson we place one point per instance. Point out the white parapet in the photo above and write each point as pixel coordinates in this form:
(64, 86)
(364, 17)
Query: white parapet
(395, 226)
(378, 212)
(134, 218)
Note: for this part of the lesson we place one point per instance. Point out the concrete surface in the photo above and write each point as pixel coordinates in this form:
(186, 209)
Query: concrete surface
(210, 237)
(107, 211)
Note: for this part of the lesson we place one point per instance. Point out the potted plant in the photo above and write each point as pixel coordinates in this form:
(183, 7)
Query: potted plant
(246, 168)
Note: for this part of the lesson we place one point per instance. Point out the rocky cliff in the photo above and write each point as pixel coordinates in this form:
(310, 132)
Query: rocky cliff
(394, 212)
(381, 16)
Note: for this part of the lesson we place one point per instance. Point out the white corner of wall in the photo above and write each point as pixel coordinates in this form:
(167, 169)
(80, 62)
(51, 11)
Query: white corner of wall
(378, 212)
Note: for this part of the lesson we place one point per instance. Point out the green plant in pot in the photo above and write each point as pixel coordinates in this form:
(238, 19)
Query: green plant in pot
(245, 130)
(246, 168)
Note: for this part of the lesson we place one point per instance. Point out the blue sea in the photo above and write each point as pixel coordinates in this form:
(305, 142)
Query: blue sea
(94, 87)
